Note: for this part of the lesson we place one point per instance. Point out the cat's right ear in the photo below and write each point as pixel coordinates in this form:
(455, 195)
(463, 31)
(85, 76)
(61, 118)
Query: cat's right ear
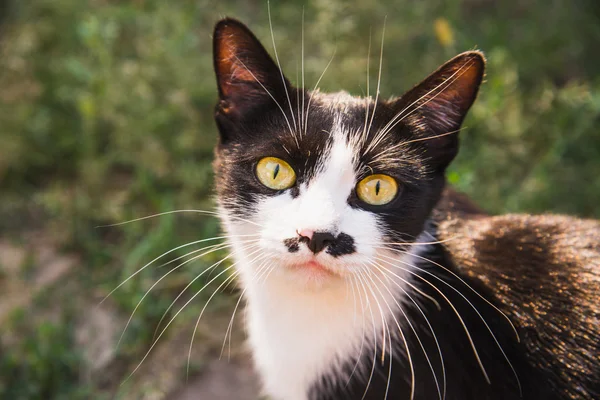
(247, 77)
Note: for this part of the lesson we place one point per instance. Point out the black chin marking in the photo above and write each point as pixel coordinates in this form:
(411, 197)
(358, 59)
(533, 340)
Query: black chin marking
(292, 244)
(344, 244)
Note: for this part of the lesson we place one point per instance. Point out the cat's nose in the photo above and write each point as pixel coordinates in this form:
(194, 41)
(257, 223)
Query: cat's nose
(305, 233)
(316, 241)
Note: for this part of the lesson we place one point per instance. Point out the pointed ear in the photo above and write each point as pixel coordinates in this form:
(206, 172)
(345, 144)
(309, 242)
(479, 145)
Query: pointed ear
(246, 74)
(436, 107)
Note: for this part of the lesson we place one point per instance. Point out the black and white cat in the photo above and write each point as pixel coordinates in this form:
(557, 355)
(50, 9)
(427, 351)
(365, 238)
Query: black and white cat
(336, 203)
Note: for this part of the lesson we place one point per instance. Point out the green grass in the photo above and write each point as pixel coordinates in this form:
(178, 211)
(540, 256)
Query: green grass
(106, 115)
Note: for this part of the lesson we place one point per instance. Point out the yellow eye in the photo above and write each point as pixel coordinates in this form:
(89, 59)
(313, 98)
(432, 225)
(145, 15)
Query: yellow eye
(377, 189)
(275, 173)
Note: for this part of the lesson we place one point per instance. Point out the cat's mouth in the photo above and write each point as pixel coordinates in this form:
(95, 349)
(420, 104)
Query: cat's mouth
(315, 267)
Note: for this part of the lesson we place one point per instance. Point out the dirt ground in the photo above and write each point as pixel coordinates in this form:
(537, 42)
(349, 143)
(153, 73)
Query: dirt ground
(229, 377)
(221, 380)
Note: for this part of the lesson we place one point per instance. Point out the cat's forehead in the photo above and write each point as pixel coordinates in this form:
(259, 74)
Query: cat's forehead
(341, 101)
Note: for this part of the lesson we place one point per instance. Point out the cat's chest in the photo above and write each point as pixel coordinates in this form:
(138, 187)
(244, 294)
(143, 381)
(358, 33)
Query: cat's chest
(297, 337)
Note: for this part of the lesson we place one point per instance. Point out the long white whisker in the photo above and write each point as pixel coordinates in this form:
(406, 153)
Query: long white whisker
(315, 88)
(447, 300)
(212, 246)
(237, 304)
(208, 301)
(468, 286)
(415, 243)
(367, 98)
(478, 313)
(276, 102)
(362, 342)
(279, 64)
(172, 319)
(302, 58)
(368, 301)
(378, 80)
(211, 213)
(383, 321)
(387, 388)
(384, 271)
(155, 259)
(398, 117)
(159, 280)
(216, 264)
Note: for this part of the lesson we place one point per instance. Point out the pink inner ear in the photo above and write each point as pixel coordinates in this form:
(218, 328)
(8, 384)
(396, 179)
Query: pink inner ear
(460, 88)
(229, 64)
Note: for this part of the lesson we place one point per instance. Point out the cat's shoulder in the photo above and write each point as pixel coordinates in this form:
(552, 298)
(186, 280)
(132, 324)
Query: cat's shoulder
(543, 271)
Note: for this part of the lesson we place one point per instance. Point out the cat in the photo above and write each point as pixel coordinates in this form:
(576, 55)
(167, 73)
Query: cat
(365, 276)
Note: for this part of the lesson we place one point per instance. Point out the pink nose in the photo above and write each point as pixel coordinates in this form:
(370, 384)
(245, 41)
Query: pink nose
(307, 233)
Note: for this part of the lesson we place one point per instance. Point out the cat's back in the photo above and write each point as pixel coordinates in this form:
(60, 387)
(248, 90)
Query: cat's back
(544, 273)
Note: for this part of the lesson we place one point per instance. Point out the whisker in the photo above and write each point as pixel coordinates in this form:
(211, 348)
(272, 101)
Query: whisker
(159, 280)
(302, 61)
(230, 327)
(414, 243)
(216, 264)
(390, 337)
(212, 246)
(434, 136)
(155, 259)
(477, 311)
(279, 64)
(469, 287)
(368, 301)
(212, 213)
(269, 271)
(315, 89)
(226, 281)
(362, 342)
(383, 322)
(169, 323)
(384, 271)
(449, 303)
(446, 83)
(237, 304)
(273, 98)
(367, 98)
(261, 255)
(378, 79)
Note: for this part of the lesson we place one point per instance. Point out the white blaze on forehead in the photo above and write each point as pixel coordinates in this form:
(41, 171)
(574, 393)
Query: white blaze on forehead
(326, 195)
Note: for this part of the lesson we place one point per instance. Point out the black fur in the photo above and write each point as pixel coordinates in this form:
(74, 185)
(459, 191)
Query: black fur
(344, 244)
(292, 244)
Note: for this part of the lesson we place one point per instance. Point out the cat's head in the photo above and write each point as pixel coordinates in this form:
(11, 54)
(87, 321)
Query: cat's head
(323, 183)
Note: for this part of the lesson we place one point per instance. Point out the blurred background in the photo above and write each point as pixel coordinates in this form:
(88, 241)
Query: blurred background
(106, 116)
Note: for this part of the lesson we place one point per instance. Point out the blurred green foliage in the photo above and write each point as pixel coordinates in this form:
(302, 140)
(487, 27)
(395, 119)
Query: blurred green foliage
(106, 115)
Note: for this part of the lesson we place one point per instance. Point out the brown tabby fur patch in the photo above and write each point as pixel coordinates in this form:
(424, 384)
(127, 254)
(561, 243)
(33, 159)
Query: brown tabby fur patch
(544, 273)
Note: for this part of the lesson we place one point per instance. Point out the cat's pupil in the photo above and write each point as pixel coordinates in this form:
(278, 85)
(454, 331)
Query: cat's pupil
(377, 187)
(276, 172)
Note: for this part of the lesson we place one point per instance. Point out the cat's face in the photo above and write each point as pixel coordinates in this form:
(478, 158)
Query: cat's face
(323, 183)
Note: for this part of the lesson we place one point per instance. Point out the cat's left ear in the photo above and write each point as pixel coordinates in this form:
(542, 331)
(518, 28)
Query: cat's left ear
(247, 77)
(436, 107)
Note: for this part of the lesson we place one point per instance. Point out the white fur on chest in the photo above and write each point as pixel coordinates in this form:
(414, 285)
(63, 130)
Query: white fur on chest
(297, 336)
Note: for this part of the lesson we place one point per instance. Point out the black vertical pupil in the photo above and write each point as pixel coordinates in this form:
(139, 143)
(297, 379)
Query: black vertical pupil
(276, 172)
(377, 187)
